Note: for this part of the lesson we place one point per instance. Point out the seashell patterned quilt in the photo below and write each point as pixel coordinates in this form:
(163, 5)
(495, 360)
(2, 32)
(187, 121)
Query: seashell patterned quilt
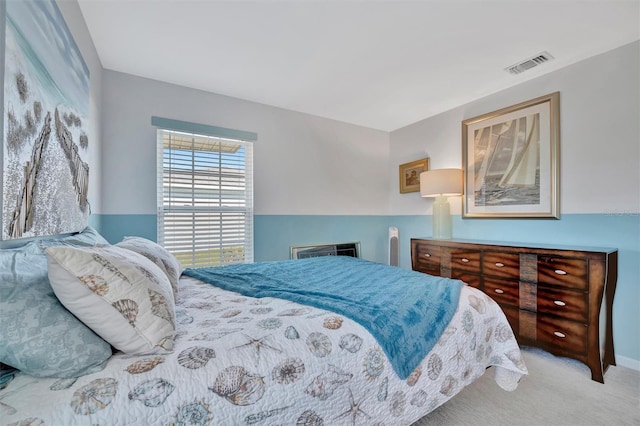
(243, 361)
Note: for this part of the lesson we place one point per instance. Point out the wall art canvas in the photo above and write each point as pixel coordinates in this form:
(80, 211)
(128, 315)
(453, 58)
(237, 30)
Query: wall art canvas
(512, 161)
(46, 112)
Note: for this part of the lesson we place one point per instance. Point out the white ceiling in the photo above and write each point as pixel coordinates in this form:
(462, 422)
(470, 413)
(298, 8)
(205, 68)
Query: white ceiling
(379, 64)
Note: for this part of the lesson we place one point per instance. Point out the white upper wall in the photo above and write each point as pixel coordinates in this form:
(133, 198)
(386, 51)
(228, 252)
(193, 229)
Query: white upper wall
(75, 21)
(303, 165)
(599, 140)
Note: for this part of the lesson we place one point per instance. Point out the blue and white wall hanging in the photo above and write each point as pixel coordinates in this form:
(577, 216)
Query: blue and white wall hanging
(46, 112)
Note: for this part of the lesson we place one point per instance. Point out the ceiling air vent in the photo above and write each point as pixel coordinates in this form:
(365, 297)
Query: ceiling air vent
(527, 64)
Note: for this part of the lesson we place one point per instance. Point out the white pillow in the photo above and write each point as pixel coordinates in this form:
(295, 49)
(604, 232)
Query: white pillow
(166, 261)
(121, 295)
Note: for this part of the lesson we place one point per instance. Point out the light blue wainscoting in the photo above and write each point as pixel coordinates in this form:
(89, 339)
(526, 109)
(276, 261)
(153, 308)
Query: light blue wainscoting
(273, 234)
(114, 227)
(621, 231)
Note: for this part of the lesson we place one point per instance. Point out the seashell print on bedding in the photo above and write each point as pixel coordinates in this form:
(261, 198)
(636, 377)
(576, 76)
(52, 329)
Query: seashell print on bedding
(96, 284)
(291, 333)
(350, 343)
(195, 357)
(434, 366)
(516, 358)
(332, 323)
(288, 371)
(414, 376)
(110, 267)
(383, 390)
(373, 364)
(419, 398)
(209, 323)
(152, 393)
(144, 365)
(310, 418)
(62, 384)
(319, 344)
(294, 312)
(325, 384)
(503, 333)
(231, 313)
(477, 303)
(194, 414)
(397, 403)
(238, 386)
(467, 321)
(263, 415)
(448, 332)
(94, 396)
(160, 307)
(270, 323)
(240, 320)
(260, 311)
(215, 334)
(128, 308)
(448, 386)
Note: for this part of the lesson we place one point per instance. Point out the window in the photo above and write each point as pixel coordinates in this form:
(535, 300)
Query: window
(205, 198)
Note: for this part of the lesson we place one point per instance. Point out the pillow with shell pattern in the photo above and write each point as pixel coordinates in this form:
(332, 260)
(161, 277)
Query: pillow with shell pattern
(121, 295)
(166, 261)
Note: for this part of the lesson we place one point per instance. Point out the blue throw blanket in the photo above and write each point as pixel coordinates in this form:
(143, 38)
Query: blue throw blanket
(405, 311)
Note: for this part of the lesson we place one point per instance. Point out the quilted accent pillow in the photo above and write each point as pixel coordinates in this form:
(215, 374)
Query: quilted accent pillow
(158, 255)
(37, 334)
(119, 294)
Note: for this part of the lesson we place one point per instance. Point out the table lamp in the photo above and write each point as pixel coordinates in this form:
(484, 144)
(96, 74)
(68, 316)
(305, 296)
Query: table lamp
(441, 184)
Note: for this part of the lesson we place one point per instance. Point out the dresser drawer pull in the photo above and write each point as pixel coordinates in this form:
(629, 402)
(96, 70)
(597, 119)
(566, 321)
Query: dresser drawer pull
(559, 303)
(560, 335)
(464, 260)
(499, 290)
(560, 272)
(500, 265)
(427, 255)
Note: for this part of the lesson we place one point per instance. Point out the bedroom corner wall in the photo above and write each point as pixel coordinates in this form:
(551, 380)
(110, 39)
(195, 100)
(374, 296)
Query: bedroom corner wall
(600, 174)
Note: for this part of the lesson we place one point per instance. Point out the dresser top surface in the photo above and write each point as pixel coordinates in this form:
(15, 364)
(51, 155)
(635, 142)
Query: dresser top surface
(520, 245)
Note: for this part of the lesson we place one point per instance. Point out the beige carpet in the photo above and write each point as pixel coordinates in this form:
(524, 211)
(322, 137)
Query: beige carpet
(557, 391)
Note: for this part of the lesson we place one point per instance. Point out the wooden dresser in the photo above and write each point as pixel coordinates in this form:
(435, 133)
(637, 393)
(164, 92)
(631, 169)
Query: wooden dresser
(556, 298)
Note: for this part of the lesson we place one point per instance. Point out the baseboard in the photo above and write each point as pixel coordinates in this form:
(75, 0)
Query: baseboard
(631, 363)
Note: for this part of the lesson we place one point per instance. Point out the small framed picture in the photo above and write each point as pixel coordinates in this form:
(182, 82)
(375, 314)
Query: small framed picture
(410, 175)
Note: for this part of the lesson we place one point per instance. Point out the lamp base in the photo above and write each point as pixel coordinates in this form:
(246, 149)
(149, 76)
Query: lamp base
(441, 218)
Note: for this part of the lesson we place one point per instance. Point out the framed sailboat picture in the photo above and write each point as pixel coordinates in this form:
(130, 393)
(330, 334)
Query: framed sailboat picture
(511, 159)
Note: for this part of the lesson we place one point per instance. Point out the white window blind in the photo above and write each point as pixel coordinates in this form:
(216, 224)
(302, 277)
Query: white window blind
(205, 198)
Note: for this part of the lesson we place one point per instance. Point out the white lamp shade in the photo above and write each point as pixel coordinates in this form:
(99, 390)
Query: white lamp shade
(447, 182)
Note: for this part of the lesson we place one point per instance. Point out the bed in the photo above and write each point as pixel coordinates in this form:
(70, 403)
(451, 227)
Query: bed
(234, 359)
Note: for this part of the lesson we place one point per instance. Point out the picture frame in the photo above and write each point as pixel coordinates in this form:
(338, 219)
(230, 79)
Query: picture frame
(511, 161)
(409, 175)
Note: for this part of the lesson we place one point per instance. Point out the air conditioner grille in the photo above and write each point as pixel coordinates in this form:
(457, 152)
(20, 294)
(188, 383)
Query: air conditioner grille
(529, 63)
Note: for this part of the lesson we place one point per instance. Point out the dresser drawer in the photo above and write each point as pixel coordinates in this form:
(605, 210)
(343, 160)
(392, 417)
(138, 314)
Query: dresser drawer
(502, 291)
(563, 303)
(562, 271)
(473, 280)
(505, 265)
(428, 258)
(465, 259)
(566, 335)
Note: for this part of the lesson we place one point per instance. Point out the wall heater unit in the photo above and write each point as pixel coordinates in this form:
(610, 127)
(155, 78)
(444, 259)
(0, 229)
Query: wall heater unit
(394, 248)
